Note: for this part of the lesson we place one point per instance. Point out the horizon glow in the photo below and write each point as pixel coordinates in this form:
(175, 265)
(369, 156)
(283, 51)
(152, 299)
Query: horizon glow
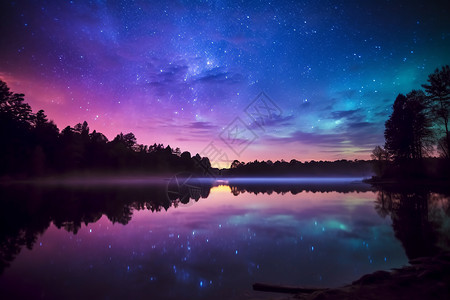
(180, 72)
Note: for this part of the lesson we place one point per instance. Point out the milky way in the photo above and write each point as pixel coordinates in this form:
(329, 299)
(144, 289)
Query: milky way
(180, 72)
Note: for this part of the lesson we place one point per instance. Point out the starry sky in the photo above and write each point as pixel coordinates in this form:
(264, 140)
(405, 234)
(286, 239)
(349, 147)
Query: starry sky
(186, 73)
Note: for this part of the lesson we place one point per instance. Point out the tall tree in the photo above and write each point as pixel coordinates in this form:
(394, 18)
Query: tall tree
(32, 145)
(128, 140)
(421, 124)
(438, 91)
(40, 118)
(20, 110)
(12, 105)
(408, 130)
(5, 94)
(396, 131)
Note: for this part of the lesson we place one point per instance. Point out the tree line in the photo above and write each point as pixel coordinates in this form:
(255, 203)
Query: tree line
(417, 130)
(338, 168)
(34, 146)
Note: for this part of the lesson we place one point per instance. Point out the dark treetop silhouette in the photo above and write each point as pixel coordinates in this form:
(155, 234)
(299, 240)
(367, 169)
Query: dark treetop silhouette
(339, 168)
(33, 146)
(416, 130)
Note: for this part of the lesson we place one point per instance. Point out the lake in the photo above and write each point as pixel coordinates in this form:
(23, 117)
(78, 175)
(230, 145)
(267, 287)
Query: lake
(203, 239)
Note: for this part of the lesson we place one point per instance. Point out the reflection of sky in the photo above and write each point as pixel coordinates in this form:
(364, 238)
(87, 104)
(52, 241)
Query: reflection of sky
(217, 246)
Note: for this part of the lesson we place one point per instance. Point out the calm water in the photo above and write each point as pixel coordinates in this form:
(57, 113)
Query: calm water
(127, 239)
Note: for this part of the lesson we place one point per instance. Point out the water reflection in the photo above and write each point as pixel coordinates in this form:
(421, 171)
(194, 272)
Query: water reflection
(28, 210)
(298, 185)
(302, 233)
(420, 219)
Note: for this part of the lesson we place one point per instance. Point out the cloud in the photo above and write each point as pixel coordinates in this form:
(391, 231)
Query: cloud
(218, 76)
(310, 138)
(359, 125)
(345, 113)
(351, 135)
(202, 125)
(346, 94)
(275, 121)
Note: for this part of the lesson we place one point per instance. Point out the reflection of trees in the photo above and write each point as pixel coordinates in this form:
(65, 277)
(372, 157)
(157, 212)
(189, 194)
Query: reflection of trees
(27, 211)
(256, 188)
(418, 218)
(18, 225)
(184, 187)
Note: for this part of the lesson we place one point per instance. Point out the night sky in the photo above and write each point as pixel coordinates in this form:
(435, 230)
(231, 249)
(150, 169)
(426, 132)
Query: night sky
(183, 72)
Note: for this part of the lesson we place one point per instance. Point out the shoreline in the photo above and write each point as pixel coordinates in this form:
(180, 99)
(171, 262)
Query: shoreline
(408, 183)
(422, 278)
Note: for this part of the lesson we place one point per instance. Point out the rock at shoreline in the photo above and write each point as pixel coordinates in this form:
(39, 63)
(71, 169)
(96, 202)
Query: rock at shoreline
(424, 278)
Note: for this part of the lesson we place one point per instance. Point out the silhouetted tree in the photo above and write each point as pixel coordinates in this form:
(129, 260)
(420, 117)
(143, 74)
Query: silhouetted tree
(438, 90)
(381, 158)
(33, 145)
(185, 156)
(408, 130)
(296, 168)
(235, 164)
(129, 140)
(177, 151)
(20, 110)
(443, 147)
(41, 118)
(71, 150)
(15, 131)
(5, 94)
(46, 143)
(98, 137)
(421, 124)
(380, 154)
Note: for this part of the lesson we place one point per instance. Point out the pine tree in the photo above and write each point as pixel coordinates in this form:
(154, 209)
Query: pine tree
(438, 91)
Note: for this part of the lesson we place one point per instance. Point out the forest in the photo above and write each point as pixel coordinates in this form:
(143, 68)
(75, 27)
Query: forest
(417, 139)
(417, 144)
(33, 146)
(295, 168)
